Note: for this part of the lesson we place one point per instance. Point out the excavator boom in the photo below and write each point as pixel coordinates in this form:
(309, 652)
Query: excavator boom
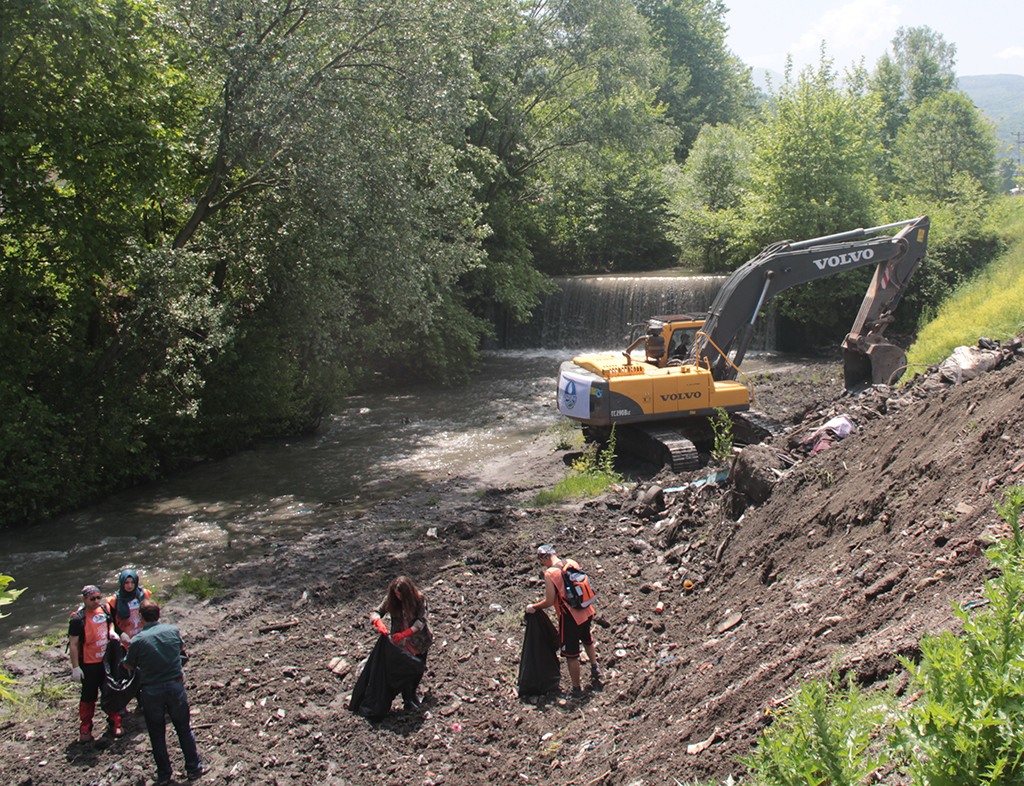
(868, 356)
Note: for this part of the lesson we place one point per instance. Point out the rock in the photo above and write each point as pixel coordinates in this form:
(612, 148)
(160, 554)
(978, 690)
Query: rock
(752, 472)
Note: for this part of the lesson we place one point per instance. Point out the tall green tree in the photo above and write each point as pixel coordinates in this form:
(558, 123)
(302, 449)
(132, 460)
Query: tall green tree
(706, 84)
(921, 65)
(92, 106)
(945, 138)
(566, 95)
(706, 195)
(812, 177)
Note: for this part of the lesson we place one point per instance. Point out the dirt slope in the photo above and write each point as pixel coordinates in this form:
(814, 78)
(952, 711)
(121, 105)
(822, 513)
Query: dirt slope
(858, 551)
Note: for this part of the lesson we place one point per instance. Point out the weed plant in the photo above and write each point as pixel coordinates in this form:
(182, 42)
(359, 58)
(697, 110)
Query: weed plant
(966, 726)
(826, 734)
(721, 424)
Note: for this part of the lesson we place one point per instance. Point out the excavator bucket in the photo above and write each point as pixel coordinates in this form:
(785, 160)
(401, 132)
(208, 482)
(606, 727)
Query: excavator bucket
(878, 363)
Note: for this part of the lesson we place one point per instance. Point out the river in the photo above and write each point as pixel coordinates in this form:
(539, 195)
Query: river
(219, 512)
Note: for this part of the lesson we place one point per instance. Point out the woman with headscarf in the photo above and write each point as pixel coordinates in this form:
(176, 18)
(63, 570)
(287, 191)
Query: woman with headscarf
(125, 605)
(408, 609)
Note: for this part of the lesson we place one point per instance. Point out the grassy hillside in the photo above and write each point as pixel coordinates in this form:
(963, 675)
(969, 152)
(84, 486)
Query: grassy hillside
(992, 305)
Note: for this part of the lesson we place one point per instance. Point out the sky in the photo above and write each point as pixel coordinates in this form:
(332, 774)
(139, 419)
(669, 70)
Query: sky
(989, 34)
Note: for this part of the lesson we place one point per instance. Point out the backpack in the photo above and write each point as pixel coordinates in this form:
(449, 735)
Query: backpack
(578, 592)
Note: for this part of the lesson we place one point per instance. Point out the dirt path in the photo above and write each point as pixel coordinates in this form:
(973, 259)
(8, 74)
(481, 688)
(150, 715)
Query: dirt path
(857, 552)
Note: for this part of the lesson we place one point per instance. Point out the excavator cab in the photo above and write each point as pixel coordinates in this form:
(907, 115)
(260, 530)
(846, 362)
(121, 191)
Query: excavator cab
(670, 339)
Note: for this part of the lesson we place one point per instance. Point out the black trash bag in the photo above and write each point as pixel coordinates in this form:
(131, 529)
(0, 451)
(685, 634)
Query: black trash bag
(119, 685)
(539, 670)
(388, 672)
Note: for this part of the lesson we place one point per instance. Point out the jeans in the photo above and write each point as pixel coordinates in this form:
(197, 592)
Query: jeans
(169, 697)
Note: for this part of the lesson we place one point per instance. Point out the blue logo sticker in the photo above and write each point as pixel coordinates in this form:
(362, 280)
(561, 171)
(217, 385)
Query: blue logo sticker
(569, 396)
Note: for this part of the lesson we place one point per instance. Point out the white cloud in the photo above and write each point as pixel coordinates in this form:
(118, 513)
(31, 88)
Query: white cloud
(849, 31)
(1011, 53)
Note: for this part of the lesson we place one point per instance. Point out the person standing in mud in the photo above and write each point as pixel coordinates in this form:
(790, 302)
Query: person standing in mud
(158, 653)
(89, 632)
(125, 606)
(408, 609)
(573, 624)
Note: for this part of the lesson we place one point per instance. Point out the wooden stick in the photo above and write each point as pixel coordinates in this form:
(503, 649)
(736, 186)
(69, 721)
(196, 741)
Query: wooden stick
(278, 626)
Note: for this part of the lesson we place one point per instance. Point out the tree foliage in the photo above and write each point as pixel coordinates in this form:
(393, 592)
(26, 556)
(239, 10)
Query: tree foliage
(707, 193)
(706, 84)
(945, 140)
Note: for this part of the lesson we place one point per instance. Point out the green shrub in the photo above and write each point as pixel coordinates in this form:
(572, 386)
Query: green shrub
(968, 726)
(822, 736)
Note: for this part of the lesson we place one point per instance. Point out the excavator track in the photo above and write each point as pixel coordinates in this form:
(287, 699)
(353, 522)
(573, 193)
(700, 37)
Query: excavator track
(668, 446)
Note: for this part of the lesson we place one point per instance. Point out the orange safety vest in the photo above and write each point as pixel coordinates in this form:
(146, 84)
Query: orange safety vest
(555, 572)
(134, 623)
(96, 629)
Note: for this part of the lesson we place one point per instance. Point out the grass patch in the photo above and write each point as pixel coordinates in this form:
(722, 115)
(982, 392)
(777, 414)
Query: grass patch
(567, 434)
(202, 586)
(52, 693)
(590, 475)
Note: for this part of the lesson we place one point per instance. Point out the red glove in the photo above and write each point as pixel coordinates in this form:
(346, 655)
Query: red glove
(403, 635)
(379, 625)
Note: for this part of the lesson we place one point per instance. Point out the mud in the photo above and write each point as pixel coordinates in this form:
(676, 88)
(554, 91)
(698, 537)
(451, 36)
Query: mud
(718, 606)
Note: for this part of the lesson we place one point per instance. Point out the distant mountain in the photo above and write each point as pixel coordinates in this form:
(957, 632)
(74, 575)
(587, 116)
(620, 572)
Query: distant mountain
(1000, 97)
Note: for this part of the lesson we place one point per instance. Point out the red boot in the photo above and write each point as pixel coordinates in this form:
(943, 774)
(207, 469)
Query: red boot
(114, 727)
(86, 709)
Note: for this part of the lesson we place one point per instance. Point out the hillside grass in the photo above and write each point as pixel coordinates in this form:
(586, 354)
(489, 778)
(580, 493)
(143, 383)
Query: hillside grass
(991, 305)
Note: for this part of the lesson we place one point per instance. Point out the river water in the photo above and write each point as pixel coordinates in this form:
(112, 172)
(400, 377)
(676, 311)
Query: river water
(375, 446)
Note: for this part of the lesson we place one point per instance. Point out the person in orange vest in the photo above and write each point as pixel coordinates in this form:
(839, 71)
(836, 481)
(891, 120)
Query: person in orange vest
(89, 631)
(573, 624)
(124, 606)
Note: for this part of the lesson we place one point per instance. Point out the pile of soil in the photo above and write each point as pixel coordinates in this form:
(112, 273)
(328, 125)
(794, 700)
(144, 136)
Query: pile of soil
(719, 605)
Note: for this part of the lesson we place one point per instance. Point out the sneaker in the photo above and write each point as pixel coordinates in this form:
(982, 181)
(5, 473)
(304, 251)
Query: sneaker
(194, 775)
(595, 672)
(116, 731)
(575, 693)
(411, 705)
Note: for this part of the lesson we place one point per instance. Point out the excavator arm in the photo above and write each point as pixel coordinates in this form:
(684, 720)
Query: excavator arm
(868, 357)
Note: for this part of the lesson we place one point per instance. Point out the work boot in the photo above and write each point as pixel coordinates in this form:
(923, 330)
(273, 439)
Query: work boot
(114, 728)
(86, 709)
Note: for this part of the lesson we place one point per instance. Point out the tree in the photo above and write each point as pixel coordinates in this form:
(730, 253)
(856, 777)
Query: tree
(922, 65)
(812, 177)
(706, 84)
(706, 194)
(566, 96)
(944, 138)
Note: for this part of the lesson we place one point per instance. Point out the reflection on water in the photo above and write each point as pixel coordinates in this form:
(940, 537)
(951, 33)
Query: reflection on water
(375, 446)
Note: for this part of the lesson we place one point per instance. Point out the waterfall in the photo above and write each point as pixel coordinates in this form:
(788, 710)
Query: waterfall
(594, 313)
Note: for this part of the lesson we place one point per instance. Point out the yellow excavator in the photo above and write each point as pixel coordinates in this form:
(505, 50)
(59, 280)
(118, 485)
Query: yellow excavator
(660, 392)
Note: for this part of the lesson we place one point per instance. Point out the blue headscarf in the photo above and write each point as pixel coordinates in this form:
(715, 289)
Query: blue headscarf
(123, 596)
